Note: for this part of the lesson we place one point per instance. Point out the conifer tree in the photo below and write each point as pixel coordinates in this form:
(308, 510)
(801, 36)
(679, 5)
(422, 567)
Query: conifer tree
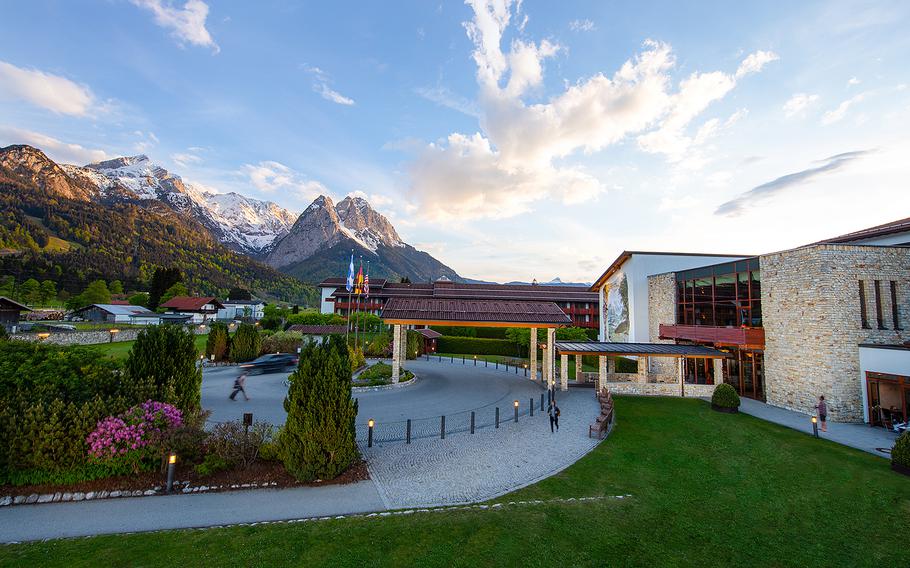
(318, 440)
(217, 343)
(246, 343)
(162, 363)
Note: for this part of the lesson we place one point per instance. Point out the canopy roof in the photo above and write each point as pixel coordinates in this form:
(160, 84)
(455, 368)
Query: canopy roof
(636, 349)
(7, 304)
(476, 313)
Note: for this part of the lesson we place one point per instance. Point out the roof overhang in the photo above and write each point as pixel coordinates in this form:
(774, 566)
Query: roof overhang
(636, 349)
(473, 313)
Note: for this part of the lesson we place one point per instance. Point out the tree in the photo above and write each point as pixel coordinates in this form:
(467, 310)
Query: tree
(405, 280)
(30, 291)
(178, 289)
(218, 342)
(163, 364)
(236, 293)
(162, 279)
(139, 299)
(246, 343)
(318, 439)
(94, 293)
(48, 291)
(116, 287)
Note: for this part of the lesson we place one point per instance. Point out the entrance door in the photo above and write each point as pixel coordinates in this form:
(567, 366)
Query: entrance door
(888, 398)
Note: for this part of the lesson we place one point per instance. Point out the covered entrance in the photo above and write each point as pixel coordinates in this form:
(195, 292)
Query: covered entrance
(744, 370)
(888, 399)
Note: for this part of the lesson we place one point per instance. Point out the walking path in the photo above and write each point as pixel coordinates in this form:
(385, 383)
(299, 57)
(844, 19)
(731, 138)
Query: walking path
(859, 436)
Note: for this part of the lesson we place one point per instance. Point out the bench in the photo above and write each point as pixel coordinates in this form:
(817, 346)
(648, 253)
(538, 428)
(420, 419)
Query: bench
(601, 423)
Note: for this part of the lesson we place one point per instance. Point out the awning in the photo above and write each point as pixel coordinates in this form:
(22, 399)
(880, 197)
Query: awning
(636, 349)
(474, 313)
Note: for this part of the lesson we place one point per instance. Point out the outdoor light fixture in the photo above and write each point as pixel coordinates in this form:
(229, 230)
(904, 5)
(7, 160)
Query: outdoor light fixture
(171, 466)
(370, 433)
(172, 459)
(516, 410)
(516, 404)
(815, 426)
(43, 336)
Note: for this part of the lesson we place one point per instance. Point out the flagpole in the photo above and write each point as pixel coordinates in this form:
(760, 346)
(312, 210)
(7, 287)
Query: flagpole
(347, 330)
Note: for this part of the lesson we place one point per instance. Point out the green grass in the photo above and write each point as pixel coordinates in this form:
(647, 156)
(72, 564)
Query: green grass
(707, 489)
(120, 349)
(469, 360)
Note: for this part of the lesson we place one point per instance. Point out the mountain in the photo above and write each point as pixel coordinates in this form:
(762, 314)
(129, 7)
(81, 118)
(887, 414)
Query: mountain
(73, 225)
(319, 245)
(555, 282)
(244, 224)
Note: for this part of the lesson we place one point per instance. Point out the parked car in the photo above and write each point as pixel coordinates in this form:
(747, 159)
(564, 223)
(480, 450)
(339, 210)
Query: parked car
(271, 363)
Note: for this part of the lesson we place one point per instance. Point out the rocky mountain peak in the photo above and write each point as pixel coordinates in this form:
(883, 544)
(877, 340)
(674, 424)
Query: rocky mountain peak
(366, 223)
(32, 164)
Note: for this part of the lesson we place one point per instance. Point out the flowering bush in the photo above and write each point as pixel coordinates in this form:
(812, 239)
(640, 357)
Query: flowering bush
(135, 435)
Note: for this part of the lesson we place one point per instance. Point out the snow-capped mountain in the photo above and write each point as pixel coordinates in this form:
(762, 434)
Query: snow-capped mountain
(245, 224)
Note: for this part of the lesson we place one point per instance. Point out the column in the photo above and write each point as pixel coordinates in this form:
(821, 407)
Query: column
(532, 354)
(564, 372)
(579, 372)
(551, 357)
(718, 371)
(681, 369)
(601, 372)
(642, 369)
(611, 365)
(396, 352)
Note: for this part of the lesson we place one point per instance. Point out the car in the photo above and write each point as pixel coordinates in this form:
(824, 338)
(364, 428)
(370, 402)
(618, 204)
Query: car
(271, 363)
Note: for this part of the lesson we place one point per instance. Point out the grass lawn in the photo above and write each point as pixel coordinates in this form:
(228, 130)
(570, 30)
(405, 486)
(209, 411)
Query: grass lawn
(708, 489)
(120, 349)
(469, 360)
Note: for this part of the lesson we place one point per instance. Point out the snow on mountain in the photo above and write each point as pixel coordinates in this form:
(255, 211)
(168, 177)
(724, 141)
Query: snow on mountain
(248, 222)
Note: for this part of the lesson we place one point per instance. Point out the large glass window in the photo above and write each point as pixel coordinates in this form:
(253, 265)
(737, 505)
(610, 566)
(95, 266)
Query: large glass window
(726, 295)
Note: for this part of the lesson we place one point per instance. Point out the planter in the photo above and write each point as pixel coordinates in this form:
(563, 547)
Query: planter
(724, 409)
(900, 468)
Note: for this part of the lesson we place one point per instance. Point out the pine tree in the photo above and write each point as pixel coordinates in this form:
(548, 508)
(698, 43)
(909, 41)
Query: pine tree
(246, 343)
(318, 439)
(162, 364)
(162, 279)
(217, 343)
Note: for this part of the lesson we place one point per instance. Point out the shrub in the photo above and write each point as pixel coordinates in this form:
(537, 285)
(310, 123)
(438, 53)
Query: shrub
(380, 374)
(269, 450)
(626, 365)
(134, 437)
(357, 358)
(218, 342)
(246, 343)
(900, 453)
(212, 464)
(229, 442)
(414, 347)
(725, 396)
(476, 346)
(271, 322)
(314, 318)
(162, 363)
(317, 441)
(380, 345)
(281, 342)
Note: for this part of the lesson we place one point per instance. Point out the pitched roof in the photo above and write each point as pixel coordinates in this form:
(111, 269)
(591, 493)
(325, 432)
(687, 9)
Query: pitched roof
(899, 226)
(458, 290)
(649, 349)
(429, 333)
(8, 304)
(191, 303)
(494, 313)
(307, 329)
(120, 309)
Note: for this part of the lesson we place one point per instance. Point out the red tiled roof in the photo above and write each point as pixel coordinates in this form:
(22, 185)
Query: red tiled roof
(429, 333)
(190, 303)
(419, 310)
(526, 292)
(317, 329)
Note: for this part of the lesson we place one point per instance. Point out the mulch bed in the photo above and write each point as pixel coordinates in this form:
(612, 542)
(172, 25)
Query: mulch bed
(260, 473)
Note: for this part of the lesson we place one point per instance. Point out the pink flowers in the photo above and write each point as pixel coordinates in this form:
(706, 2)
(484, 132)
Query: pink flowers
(138, 428)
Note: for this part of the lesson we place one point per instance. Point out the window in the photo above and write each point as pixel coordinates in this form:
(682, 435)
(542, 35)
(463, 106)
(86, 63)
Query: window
(894, 318)
(878, 305)
(864, 319)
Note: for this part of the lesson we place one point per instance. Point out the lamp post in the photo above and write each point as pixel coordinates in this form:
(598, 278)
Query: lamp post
(43, 335)
(370, 433)
(815, 426)
(515, 404)
(171, 466)
(113, 332)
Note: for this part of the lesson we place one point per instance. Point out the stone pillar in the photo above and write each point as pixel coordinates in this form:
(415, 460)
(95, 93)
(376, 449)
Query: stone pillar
(681, 369)
(396, 352)
(579, 371)
(532, 354)
(602, 371)
(611, 365)
(404, 345)
(551, 357)
(718, 371)
(642, 369)
(564, 372)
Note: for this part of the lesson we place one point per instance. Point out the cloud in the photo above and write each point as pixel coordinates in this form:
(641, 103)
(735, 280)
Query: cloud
(375, 199)
(270, 176)
(774, 187)
(755, 62)
(185, 159)
(57, 150)
(444, 97)
(45, 90)
(321, 82)
(798, 103)
(837, 114)
(582, 25)
(853, 81)
(187, 24)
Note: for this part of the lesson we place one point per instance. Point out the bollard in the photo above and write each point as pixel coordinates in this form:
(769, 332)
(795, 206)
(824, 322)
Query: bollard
(541, 402)
(370, 433)
(408, 433)
(531, 406)
(485, 363)
(526, 370)
(442, 428)
(516, 411)
(815, 426)
(462, 359)
(497, 363)
(451, 359)
(472, 422)
(497, 417)
(516, 370)
(475, 360)
(171, 466)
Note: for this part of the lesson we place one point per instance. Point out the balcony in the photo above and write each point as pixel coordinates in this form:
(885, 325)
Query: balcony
(753, 337)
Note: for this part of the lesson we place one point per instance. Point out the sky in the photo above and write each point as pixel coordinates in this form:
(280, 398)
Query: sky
(511, 140)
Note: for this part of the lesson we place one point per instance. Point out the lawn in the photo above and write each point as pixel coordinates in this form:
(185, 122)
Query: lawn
(469, 360)
(707, 489)
(120, 349)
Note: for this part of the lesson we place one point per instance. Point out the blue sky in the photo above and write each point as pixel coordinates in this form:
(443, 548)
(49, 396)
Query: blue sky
(511, 140)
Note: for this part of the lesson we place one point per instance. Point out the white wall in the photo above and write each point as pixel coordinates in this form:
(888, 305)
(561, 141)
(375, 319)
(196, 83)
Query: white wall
(880, 360)
(325, 306)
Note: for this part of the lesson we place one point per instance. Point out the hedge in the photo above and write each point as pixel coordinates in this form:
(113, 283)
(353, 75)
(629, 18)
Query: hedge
(900, 453)
(476, 346)
(725, 396)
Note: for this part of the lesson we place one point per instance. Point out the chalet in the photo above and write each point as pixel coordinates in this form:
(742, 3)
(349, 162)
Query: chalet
(200, 309)
(242, 310)
(9, 313)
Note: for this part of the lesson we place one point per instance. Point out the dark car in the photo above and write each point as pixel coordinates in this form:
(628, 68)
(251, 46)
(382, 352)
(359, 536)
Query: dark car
(271, 363)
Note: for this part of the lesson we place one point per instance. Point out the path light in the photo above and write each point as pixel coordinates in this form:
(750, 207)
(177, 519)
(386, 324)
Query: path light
(113, 332)
(516, 410)
(171, 466)
(475, 360)
(370, 433)
(815, 426)
(44, 335)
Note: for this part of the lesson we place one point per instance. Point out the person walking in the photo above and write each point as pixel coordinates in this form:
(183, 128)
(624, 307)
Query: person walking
(239, 384)
(553, 411)
(822, 408)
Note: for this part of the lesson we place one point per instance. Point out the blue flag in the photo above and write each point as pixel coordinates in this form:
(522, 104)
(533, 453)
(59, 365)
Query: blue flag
(350, 283)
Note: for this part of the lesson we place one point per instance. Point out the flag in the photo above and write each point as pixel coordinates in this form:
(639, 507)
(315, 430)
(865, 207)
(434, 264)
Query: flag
(366, 282)
(358, 285)
(350, 283)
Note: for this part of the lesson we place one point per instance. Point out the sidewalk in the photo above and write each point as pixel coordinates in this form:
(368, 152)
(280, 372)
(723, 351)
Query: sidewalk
(859, 436)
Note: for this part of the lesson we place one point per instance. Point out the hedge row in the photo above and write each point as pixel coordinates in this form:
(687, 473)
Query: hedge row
(477, 346)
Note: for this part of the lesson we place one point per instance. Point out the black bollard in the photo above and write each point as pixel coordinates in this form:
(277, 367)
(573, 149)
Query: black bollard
(497, 363)
(442, 428)
(497, 417)
(462, 359)
(370, 433)
(171, 466)
(472, 422)
(541, 402)
(516, 411)
(408, 432)
(485, 363)
(531, 406)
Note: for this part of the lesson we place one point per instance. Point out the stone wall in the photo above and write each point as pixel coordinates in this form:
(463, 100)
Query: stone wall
(92, 337)
(662, 310)
(661, 389)
(811, 317)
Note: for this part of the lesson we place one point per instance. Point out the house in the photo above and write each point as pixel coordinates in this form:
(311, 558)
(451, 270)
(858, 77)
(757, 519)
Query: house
(9, 314)
(242, 310)
(201, 309)
(429, 339)
(116, 313)
(317, 333)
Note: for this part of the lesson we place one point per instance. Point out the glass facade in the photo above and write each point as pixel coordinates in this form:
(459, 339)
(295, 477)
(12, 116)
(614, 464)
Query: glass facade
(723, 295)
